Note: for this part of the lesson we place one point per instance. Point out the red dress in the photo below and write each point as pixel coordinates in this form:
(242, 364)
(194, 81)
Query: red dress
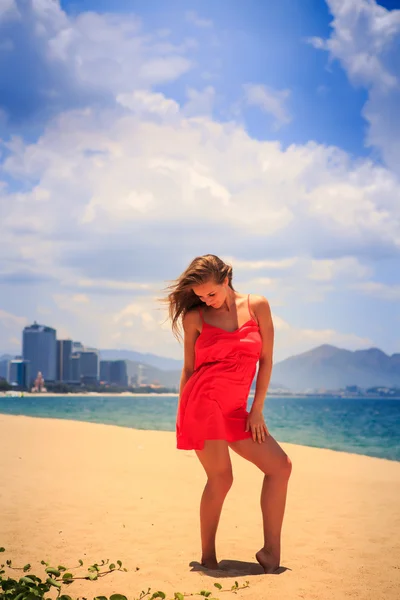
(213, 404)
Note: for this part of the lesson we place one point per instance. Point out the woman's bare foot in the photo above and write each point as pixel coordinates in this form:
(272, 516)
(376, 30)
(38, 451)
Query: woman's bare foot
(268, 562)
(210, 563)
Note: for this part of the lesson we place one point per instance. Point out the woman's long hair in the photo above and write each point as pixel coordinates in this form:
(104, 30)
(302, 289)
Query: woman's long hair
(181, 298)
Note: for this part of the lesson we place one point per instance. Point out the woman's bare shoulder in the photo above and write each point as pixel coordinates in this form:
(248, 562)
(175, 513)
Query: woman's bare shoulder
(192, 320)
(258, 300)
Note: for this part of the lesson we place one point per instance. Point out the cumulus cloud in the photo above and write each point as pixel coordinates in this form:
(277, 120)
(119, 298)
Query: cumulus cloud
(273, 102)
(77, 60)
(111, 189)
(365, 40)
(193, 17)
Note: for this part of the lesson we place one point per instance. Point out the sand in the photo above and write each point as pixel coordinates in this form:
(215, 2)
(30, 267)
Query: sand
(71, 490)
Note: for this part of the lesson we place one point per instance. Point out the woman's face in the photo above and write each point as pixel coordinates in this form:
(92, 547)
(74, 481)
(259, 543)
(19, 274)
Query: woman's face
(211, 293)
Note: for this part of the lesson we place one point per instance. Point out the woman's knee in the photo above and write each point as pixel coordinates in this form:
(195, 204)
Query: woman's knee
(285, 467)
(221, 480)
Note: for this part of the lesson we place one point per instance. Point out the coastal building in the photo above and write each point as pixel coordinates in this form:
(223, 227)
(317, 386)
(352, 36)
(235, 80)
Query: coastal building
(89, 366)
(74, 368)
(39, 347)
(64, 352)
(4, 368)
(19, 373)
(105, 371)
(114, 372)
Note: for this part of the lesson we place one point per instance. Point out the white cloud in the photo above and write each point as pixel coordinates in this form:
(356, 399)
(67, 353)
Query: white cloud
(255, 265)
(269, 101)
(344, 268)
(302, 339)
(84, 59)
(99, 175)
(199, 102)
(365, 40)
(9, 10)
(193, 17)
(378, 290)
(143, 101)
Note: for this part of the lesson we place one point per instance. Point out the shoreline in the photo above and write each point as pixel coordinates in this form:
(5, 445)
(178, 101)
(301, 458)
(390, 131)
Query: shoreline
(173, 394)
(172, 432)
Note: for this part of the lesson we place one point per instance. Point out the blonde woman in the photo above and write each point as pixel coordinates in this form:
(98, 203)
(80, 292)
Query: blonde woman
(225, 334)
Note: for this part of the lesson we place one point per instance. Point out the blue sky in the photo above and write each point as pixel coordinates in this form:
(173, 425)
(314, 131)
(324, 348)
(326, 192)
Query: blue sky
(140, 134)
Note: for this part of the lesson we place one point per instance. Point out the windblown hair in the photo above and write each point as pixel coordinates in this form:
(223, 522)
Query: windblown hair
(181, 297)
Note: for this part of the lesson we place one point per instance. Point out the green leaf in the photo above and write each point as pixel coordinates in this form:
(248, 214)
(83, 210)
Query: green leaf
(27, 580)
(52, 571)
(67, 576)
(51, 581)
(92, 576)
(80, 562)
(112, 567)
(119, 563)
(33, 594)
(178, 596)
(218, 585)
(100, 598)
(64, 597)
(205, 593)
(61, 568)
(2, 549)
(118, 597)
(157, 595)
(26, 568)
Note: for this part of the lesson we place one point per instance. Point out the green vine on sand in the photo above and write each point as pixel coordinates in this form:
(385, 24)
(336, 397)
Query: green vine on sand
(31, 587)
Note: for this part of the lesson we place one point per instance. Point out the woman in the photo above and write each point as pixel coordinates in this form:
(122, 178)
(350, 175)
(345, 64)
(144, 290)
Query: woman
(225, 335)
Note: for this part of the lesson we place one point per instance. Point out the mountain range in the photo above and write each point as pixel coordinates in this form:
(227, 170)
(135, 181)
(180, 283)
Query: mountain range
(325, 367)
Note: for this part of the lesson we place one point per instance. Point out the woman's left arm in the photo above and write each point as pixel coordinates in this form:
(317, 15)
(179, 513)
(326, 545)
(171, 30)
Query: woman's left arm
(256, 421)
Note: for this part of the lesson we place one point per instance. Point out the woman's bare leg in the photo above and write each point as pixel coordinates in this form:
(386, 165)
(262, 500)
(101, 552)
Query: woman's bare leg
(217, 464)
(276, 466)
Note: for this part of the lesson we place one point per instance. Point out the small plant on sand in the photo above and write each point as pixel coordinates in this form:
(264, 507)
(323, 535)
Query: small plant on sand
(31, 587)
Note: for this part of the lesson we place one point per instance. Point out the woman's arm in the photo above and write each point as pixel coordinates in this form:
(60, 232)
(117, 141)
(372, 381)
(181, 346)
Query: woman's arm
(256, 421)
(266, 358)
(191, 332)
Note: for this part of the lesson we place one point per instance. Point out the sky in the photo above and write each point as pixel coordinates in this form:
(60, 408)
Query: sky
(136, 135)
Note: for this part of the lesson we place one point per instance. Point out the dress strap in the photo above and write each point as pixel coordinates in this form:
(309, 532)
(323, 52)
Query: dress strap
(248, 307)
(201, 314)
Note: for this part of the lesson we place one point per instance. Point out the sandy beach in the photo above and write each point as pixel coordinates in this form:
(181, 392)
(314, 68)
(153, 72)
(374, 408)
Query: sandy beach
(72, 490)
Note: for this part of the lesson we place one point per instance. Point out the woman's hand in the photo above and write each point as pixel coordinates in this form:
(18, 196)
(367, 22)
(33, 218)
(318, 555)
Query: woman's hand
(256, 424)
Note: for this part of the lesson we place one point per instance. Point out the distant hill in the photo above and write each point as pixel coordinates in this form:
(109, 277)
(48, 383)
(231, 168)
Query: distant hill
(153, 360)
(330, 367)
(150, 374)
(325, 367)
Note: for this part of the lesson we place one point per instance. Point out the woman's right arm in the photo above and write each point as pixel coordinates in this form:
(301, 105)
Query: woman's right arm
(191, 331)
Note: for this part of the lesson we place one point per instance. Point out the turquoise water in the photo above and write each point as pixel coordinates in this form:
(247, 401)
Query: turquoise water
(360, 425)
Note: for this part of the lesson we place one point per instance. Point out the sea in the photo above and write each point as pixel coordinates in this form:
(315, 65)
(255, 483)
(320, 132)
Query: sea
(359, 425)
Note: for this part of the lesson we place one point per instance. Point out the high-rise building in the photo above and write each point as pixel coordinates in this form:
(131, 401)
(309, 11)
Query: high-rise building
(114, 371)
(64, 352)
(105, 371)
(4, 368)
(39, 347)
(19, 373)
(118, 373)
(89, 366)
(75, 368)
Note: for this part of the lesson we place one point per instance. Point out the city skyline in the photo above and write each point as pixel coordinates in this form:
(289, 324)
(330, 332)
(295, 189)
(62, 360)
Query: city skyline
(45, 358)
(266, 133)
